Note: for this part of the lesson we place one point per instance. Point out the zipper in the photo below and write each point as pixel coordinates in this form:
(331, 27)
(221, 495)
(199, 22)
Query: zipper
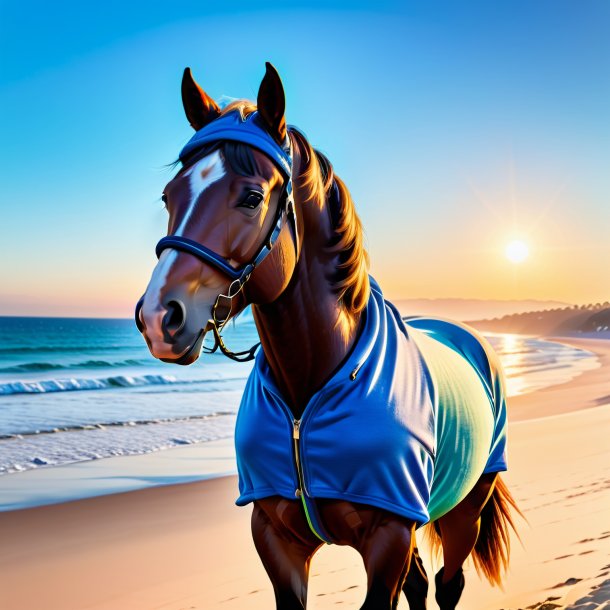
(296, 435)
(301, 491)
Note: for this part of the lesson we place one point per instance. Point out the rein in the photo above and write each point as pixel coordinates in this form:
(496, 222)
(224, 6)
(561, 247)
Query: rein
(247, 130)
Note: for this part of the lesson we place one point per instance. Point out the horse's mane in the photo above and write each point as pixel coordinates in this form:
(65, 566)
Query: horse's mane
(317, 179)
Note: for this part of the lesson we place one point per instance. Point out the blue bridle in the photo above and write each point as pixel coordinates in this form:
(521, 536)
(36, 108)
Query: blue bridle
(237, 128)
(247, 130)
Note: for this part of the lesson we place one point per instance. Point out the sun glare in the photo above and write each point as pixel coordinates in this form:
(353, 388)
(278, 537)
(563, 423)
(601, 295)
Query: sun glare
(516, 251)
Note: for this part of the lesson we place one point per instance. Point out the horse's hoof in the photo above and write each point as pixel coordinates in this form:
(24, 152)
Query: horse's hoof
(448, 594)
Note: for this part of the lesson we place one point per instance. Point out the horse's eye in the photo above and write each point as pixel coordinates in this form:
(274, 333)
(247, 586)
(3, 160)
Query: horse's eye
(164, 198)
(251, 200)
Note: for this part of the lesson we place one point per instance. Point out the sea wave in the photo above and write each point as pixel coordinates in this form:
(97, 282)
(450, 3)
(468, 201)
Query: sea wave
(59, 349)
(29, 367)
(47, 386)
(103, 425)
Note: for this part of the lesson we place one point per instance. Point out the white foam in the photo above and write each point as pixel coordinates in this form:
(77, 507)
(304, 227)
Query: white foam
(44, 450)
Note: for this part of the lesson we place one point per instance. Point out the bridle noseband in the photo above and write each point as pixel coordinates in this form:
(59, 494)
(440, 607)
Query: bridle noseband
(247, 130)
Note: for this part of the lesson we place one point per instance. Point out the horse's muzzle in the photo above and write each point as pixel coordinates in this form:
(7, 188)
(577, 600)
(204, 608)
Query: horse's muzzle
(174, 321)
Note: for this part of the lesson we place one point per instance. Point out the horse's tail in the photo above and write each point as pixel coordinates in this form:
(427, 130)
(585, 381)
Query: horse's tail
(491, 552)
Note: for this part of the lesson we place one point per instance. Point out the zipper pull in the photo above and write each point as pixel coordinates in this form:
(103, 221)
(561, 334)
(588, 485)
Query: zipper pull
(355, 372)
(296, 429)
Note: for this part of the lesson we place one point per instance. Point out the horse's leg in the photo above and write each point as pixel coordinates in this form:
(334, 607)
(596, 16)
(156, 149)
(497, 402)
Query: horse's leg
(386, 556)
(285, 552)
(415, 586)
(386, 552)
(382, 538)
(459, 530)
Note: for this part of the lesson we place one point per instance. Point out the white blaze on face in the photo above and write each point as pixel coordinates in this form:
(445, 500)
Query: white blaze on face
(204, 173)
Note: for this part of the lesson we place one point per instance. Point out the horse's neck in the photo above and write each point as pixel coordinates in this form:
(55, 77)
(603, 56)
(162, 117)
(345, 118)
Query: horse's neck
(306, 333)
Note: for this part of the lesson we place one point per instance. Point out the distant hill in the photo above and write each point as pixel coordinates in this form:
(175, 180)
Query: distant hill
(470, 309)
(592, 318)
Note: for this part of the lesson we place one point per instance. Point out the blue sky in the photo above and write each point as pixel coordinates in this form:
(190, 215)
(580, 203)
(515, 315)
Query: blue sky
(457, 127)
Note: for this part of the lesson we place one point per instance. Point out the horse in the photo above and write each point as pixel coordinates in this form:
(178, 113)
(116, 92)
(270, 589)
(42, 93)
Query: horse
(356, 427)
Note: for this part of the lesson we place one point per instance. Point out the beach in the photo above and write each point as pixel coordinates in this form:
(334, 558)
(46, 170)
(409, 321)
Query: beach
(187, 546)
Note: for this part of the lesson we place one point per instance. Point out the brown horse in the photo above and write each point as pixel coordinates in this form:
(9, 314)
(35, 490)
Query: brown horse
(280, 232)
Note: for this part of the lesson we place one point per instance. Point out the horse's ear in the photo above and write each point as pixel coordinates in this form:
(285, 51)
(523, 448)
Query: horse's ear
(271, 104)
(199, 107)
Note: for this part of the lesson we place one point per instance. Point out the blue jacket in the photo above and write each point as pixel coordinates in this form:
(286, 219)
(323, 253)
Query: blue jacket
(408, 422)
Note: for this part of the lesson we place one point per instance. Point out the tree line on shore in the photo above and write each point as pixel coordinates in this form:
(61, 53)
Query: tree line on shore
(589, 318)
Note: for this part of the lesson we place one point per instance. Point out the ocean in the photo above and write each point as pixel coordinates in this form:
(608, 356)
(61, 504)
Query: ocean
(73, 390)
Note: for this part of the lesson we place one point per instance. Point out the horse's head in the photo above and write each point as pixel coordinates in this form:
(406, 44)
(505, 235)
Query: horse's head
(232, 233)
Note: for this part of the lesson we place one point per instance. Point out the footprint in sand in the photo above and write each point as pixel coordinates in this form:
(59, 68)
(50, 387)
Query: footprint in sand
(545, 605)
(342, 591)
(594, 599)
(567, 583)
(557, 558)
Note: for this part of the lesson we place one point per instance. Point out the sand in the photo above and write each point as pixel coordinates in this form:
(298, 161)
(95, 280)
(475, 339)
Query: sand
(186, 546)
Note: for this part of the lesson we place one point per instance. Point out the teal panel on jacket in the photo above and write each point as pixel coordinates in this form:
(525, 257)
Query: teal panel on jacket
(470, 408)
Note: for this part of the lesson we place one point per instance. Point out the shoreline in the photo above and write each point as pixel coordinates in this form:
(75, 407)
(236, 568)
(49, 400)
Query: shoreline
(589, 389)
(213, 459)
(187, 546)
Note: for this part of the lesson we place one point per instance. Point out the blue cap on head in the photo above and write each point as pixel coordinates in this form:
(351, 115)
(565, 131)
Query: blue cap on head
(248, 130)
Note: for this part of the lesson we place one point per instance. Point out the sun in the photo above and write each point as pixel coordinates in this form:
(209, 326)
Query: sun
(516, 251)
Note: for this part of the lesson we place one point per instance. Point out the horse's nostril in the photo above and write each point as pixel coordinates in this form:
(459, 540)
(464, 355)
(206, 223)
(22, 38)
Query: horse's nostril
(138, 315)
(175, 318)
